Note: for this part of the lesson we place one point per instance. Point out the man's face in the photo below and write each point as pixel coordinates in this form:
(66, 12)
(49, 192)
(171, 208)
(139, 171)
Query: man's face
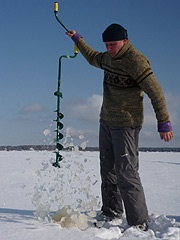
(115, 46)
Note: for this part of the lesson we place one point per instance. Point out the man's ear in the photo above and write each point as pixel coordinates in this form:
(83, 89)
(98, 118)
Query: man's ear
(125, 40)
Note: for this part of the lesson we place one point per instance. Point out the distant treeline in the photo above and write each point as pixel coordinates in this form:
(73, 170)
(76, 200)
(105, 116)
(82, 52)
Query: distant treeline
(53, 147)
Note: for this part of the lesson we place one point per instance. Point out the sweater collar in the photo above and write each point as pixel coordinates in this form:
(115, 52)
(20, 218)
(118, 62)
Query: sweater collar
(123, 50)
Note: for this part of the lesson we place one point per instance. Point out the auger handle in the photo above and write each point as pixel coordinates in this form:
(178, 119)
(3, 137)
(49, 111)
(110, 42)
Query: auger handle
(75, 49)
(55, 6)
(56, 15)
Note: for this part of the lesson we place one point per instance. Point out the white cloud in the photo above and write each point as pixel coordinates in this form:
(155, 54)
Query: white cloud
(173, 103)
(149, 115)
(149, 134)
(81, 137)
(34, 108)
(85, 110)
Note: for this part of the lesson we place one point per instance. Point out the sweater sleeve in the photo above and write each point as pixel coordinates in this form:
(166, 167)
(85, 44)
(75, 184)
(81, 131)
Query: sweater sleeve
(93, 57)
(142, 73)
(154, 91)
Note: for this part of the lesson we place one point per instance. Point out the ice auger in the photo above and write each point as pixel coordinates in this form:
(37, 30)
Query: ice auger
(59, 95)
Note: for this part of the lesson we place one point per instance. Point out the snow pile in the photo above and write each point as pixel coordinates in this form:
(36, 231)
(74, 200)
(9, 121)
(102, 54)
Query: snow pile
(164, 227)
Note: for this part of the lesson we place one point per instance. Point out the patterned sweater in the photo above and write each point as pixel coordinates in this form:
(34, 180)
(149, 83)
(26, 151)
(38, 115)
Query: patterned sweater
(126, 77)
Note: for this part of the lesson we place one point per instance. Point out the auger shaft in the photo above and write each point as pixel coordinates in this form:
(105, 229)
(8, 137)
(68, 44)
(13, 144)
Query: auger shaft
(59, 95)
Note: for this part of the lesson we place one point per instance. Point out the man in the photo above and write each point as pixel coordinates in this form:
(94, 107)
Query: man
(127, 74)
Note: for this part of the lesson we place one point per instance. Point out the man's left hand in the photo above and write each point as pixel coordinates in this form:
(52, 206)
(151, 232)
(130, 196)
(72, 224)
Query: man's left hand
(166, 136)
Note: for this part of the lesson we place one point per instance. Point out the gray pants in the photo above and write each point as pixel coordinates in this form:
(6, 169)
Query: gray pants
(119, 166)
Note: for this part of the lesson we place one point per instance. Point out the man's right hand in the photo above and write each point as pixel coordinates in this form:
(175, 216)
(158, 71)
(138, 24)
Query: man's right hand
(70, 33)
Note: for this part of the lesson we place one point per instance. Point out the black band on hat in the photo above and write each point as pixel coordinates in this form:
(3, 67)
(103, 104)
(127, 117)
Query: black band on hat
(114, 32)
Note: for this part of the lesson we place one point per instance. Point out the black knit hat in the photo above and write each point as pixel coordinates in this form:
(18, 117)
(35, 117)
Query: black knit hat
(114, 32)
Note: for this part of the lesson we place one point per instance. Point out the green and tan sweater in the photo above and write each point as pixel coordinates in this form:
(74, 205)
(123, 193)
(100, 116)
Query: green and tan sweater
(126, 77)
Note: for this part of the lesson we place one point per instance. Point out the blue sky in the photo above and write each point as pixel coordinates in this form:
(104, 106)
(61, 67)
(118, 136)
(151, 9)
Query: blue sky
(31, 42)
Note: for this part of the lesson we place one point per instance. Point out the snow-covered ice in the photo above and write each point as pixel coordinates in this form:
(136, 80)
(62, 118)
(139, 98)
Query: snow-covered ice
(33, 194)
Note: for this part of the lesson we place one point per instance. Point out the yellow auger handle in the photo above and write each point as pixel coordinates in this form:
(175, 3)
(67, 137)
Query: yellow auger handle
(75, 49)
(55, 6)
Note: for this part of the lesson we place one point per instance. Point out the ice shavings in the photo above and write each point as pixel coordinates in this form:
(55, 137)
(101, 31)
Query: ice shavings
(53, 184)
(69, 218)
(46, 132)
